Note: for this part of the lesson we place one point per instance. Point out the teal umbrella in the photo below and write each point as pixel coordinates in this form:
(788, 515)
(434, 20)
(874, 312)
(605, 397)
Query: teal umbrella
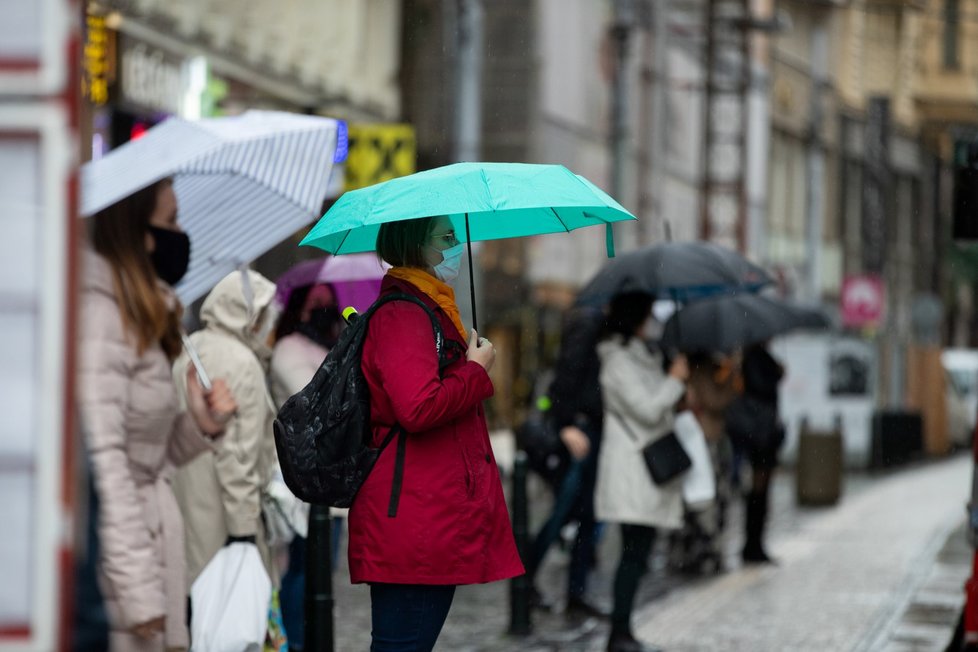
(484, 201)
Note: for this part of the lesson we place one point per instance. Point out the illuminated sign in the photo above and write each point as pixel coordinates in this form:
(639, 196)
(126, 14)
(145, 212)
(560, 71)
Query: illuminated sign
(98, 60)
(342, 142)
(151, 78)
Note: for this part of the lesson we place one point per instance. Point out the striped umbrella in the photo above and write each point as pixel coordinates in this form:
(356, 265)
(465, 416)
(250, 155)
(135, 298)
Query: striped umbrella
(243, 183)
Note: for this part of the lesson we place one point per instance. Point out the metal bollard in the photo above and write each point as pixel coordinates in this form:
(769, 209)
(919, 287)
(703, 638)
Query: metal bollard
(319, 582)
(519, 587)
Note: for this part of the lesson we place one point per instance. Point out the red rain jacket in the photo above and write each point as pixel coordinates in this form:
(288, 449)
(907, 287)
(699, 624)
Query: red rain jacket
(452, 525)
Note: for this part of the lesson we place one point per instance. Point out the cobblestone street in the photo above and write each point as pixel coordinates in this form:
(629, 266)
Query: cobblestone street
(882, 570)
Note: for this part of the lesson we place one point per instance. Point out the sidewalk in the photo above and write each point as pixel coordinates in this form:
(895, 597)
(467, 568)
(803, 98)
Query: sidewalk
(847, 577)
(879, 571)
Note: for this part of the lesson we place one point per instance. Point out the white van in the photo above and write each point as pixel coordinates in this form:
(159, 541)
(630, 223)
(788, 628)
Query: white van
(961, 366)
(828, 376)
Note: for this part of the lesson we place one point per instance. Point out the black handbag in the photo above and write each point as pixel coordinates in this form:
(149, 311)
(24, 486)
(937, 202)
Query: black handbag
(665, 458)
(546, 453)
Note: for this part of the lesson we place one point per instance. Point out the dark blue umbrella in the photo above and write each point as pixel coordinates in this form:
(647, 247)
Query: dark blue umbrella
(727, 323)
(682, 271)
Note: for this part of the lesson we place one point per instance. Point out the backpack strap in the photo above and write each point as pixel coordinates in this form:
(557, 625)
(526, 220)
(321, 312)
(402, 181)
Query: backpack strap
(448, 352)
(398, 472)
(448, 349)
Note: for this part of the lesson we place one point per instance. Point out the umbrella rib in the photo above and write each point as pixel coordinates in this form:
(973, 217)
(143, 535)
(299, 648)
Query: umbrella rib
(560, 221)
(342, 242)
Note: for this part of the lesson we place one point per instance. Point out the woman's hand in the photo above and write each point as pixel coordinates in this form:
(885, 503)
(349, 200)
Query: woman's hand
(210, 410)
(150, 628)
(679, 369)
(480, 351)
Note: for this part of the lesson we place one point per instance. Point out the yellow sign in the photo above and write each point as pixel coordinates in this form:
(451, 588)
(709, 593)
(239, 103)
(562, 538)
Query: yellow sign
(379, 152)
(98, 60)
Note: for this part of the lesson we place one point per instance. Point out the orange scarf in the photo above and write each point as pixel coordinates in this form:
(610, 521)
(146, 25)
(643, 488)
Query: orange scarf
(439, 292)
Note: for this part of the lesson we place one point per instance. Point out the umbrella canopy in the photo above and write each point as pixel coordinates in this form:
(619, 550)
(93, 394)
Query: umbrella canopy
(484, 201)
(682, 271)
(728, 323)
(243, 183)
(500, 200)
(356, 279)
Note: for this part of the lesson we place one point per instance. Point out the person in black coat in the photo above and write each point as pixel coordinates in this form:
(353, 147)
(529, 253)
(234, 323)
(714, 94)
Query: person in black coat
(576, 413)
(756, 432)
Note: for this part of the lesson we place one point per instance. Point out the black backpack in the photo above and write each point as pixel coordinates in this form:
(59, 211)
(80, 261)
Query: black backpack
(539, 438)
(323, 433)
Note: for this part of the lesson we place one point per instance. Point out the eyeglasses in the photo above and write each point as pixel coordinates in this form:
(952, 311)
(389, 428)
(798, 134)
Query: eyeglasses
(448, 238)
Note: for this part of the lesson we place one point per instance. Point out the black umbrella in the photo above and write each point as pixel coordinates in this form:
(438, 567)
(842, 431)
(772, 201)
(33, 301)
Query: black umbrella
(727, 323)
(682, 271)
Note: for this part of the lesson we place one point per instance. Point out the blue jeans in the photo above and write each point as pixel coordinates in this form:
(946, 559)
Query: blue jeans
(292, 594)
(408, 617)
(574, 500)
(564, 501)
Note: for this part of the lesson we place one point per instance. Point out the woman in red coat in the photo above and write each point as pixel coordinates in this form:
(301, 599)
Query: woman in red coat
(451, 525)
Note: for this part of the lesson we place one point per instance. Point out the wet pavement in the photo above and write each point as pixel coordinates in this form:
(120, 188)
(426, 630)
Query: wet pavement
(847, 575)
(881, 570)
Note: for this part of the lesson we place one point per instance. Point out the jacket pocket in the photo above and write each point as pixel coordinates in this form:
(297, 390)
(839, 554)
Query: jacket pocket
(464, 462)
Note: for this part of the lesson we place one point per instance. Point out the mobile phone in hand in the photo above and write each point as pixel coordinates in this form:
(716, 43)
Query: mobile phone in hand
(205, 380)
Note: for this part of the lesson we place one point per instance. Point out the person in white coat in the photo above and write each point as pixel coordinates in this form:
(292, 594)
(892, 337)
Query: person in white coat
(639, 403)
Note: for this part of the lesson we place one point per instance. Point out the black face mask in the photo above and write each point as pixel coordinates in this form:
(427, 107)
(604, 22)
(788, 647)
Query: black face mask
(171, 255)
(323, 327)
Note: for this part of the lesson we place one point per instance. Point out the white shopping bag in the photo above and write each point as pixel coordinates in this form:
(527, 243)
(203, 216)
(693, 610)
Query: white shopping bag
(285, 515)
(699, 483)
(229, 602)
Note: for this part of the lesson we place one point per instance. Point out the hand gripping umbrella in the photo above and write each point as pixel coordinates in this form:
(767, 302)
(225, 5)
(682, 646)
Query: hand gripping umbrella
(484, 201)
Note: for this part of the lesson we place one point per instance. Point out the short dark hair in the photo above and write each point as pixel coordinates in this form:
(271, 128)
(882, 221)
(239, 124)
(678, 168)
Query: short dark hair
(292, 314)
(400, 243)
(627, 312)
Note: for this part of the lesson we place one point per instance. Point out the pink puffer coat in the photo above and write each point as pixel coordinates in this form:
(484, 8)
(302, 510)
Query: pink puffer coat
(136, 435)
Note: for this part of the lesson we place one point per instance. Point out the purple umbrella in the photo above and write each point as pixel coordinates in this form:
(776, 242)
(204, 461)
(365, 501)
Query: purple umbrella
(356, 279)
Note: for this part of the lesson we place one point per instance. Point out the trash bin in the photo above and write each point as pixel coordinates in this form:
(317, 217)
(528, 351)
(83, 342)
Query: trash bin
(898, 438)
(819, 467)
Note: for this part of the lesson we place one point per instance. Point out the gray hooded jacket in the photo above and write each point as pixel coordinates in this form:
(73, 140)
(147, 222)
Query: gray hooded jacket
(220, 493)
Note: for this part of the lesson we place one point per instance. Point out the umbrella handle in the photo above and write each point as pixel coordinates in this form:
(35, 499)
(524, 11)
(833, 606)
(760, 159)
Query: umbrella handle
(679, 328)
(679, 319)
(468, 243)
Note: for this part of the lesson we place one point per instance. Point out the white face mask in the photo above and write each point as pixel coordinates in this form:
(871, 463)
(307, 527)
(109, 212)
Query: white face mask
(447, 269)
(652, 331)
